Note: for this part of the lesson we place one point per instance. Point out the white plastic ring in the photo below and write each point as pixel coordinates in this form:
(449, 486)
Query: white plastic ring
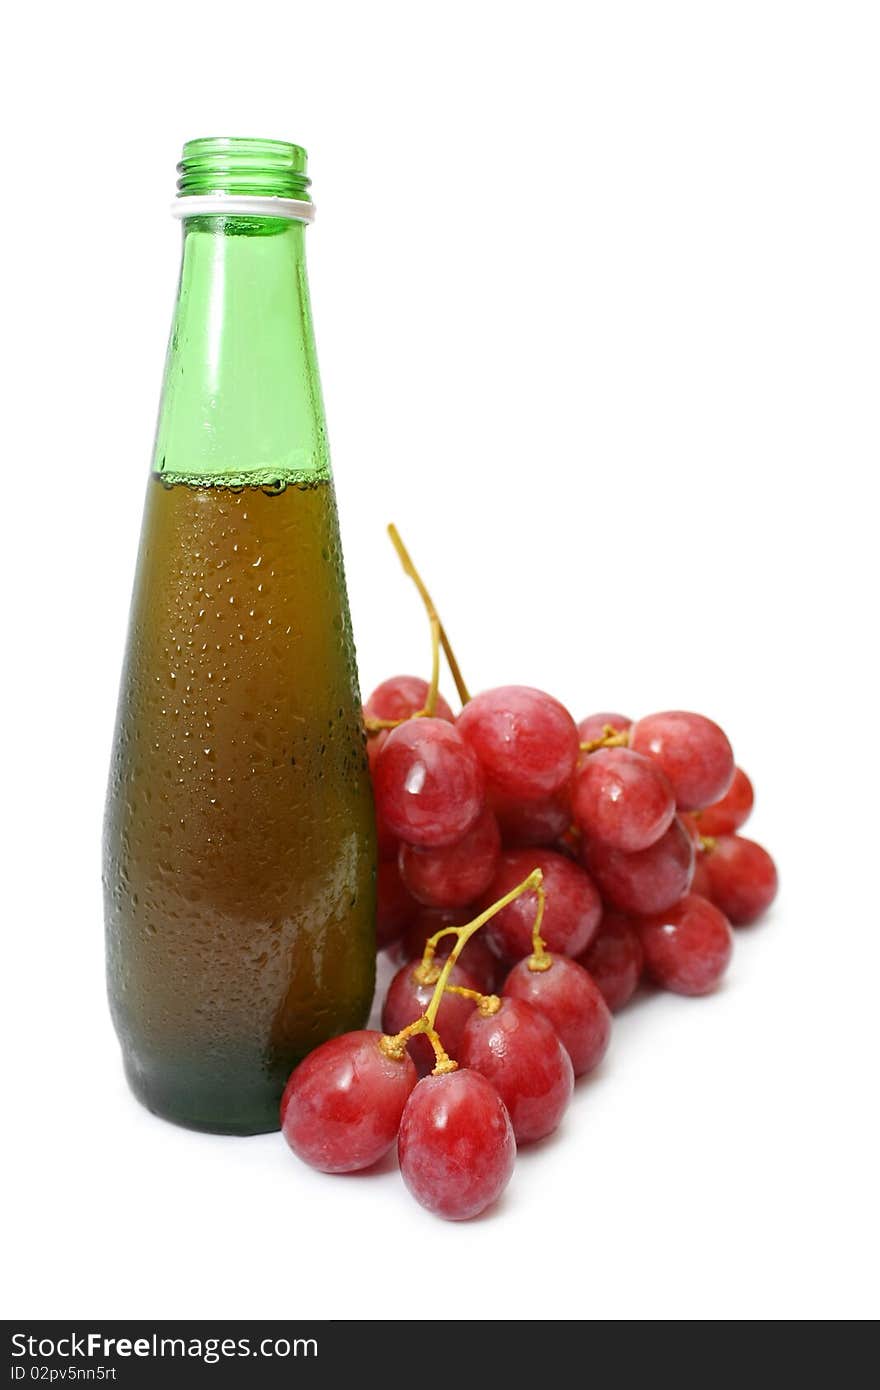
(219, 204)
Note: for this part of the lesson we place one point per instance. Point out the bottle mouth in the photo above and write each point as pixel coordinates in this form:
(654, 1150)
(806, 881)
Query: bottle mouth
(242, 167)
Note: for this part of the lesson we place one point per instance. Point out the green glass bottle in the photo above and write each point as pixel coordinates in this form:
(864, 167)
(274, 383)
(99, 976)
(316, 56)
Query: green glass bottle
(239, 849)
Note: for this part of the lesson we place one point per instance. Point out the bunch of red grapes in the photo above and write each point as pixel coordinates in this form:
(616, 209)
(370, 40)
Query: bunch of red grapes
(632, 829)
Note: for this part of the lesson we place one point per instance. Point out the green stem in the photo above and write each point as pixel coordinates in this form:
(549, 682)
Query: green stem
(539, 960)
(410, 569)
(465, 933)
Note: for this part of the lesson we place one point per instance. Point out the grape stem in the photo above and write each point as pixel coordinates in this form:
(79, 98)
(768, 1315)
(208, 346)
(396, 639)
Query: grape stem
(375, 726)
(611, 738)
(438, 632)
(393, 1046)
(488, 1004)
(539, 960)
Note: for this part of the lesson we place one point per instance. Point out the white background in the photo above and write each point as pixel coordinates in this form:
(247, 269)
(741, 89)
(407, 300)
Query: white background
(597, 301)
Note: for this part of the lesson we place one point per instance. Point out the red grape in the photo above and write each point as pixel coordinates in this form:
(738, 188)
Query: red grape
(400, 697)
(569, 844)
(456, 1144)
(519, 1051)
(525, 740)
(687, 947)
(456, 874)
(740, 877)
(594, 726)
(732, 811)
(531, 822)
(615, 959)
(622, 798)
(648, 881)
(572, 912)
(427, 783)
(341, 1107)
(700, 880)
(692, 751)
(567, 996)
(394, 906)
(374, 744)
(691, 825)
(476, 959)
(387, 844)
(407, 999)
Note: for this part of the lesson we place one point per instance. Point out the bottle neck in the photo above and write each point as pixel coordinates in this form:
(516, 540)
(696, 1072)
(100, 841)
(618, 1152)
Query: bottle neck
(241, 402)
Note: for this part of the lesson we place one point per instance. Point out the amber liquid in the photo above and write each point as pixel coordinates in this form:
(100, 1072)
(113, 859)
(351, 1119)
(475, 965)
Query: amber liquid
(239, 866)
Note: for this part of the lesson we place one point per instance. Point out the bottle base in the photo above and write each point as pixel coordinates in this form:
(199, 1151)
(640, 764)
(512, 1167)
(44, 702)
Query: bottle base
(211, 1110)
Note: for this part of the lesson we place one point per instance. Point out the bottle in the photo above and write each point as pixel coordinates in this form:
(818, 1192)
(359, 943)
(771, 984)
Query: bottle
(239, 846)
